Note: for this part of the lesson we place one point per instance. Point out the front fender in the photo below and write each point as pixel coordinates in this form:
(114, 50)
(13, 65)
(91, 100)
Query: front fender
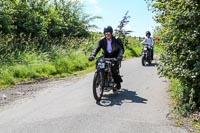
(99, 70)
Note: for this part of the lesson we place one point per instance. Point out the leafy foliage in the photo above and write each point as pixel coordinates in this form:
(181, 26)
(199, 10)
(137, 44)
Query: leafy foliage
(44, 18)
(31, 63)
(59, 58)
(180, 60)
(122, 32)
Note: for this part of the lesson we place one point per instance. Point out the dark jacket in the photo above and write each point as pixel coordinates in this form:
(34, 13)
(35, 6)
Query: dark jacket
(117, 48)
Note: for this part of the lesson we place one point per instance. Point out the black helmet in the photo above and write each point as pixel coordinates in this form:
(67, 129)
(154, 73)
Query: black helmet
(108, 29)
(148, 32)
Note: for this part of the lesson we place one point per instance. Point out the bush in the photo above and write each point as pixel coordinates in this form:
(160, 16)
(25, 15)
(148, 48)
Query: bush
(180, 93)
(180, 58)
(6, 78)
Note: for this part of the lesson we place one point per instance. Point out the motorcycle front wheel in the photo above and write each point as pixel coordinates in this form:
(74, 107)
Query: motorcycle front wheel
(98, 85)
(143, 60)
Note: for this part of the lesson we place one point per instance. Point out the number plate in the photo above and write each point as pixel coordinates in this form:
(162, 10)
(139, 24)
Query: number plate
(101, 65)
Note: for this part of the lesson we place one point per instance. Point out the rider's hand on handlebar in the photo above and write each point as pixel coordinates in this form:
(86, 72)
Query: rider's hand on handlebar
(91, 58)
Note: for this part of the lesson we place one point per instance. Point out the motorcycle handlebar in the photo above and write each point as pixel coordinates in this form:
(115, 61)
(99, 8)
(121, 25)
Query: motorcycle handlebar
(108, 59)
(147, 45)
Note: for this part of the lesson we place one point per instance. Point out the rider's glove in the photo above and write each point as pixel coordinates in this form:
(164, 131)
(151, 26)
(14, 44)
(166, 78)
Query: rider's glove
(91, 58)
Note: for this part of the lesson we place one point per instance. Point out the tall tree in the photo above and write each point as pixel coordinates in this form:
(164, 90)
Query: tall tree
(121, 30)
(40, 18)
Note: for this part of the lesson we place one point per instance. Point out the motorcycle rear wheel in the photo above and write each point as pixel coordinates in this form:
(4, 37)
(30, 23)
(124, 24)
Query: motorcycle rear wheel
(98, 85)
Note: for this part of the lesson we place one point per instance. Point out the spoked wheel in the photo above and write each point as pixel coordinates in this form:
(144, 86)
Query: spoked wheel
(98, 85)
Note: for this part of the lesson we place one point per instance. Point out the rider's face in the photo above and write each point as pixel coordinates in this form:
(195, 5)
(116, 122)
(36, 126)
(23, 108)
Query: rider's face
(148, 35)
(108, 35)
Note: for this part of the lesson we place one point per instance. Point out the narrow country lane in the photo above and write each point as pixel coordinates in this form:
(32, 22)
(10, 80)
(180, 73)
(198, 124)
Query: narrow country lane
(141, 106)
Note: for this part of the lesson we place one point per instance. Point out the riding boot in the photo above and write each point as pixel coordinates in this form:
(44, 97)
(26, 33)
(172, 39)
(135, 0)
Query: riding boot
(118, 85)
(118, 80)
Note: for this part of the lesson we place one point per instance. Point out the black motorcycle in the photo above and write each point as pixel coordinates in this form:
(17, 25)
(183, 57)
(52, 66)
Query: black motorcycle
(103, 80)
(146, 54)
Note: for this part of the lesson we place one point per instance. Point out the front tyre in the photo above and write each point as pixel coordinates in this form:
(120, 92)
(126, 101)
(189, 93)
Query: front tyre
(143, 60)
(98, 85)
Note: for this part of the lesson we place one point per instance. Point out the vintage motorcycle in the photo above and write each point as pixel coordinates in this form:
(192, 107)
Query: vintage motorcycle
(146, 54)
(103, 79)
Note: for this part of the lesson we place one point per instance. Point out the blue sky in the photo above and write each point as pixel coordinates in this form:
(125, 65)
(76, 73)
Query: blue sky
(112, 12)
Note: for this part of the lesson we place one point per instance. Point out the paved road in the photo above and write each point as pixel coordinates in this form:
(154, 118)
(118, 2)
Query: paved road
(69, 107)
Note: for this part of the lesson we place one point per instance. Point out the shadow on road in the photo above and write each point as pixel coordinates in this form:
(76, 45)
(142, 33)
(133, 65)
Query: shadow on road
(152, 65)
(122, 96)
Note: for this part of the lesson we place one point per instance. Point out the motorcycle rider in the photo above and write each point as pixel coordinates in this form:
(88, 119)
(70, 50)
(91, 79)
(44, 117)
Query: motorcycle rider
(112, 48)
(149, 41)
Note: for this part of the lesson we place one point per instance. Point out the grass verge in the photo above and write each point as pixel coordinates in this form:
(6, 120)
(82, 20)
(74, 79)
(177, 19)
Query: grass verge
(57, 61)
